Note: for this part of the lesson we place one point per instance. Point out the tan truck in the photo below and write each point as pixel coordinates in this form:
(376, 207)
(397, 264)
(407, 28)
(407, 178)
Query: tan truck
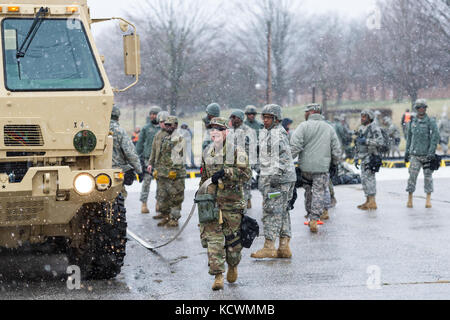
(57, 184)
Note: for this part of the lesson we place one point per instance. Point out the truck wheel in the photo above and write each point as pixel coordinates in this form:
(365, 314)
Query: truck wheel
(105, 232)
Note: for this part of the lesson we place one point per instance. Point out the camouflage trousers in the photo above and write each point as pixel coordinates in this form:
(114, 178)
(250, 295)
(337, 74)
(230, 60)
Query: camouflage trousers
(316, 193)
(368, 181)
(171, 193)
(145, 187)
(276, 217)
(329, 193)
(417, 162)
(222, 241)
(248, 190)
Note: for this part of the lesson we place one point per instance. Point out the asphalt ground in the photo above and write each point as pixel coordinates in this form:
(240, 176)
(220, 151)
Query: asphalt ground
(391, 253)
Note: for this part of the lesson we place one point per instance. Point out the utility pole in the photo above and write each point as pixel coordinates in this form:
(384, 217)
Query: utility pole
(269, 63)
(314, 95)
(134, 116)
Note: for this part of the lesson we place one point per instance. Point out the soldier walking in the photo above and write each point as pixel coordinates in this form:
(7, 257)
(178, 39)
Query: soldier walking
(369, 140)
(276, 184)
(317, 146)
(422, 137)
(246, 139)
(124, 152)
(156, 148)
(144, 149)
(170, 171)
(444, 130)
(393, 134)
(229, 168)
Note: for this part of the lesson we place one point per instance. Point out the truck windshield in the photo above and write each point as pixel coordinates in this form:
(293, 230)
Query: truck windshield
(59, 57)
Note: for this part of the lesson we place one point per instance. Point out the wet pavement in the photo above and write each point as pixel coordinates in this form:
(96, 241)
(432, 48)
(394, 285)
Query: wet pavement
(390, 253)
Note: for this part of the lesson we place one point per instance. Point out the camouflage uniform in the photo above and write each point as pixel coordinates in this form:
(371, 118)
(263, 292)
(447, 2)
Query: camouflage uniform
(374, 140)
(444, 130)
(124, 152)
(170, 173)
(422, 137)
(393, 134)
(222, 240)
(144, 149)
(277, 175)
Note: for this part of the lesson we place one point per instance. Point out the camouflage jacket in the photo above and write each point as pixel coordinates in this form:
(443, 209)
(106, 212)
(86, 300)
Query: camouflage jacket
(393, 133)
(124, 152)
(237, 172)
(275, 156)
(255, 125)
(146, 136)
(444, 127)
(171, 156)
(374, 140)
(422, 137)
(245, 138)
(156, 147)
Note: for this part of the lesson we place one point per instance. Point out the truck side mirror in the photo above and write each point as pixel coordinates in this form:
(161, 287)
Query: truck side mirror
(132, 54)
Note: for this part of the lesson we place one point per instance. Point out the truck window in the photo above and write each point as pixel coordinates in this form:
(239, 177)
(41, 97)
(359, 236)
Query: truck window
(59, 57)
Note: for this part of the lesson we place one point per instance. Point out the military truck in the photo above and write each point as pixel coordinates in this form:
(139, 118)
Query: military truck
(57, 183)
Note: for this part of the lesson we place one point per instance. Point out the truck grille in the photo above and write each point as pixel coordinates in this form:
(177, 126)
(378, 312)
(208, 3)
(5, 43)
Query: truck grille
(22, 135)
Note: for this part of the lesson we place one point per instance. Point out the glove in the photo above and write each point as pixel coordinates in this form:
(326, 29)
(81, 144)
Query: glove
(356, 163)
(275, 181)
(155, 174)
(218, 175)
(361, 140)
(406, 157)
(172, 175)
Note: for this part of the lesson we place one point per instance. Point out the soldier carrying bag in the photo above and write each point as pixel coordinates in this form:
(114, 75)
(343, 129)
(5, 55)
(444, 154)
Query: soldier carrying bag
(434, 164)
(207, 210)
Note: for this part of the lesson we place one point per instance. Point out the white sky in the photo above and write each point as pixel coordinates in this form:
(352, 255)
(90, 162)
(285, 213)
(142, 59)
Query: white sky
(107, 8)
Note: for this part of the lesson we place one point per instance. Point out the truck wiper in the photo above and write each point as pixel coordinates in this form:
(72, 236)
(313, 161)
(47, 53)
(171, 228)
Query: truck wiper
(31, 33)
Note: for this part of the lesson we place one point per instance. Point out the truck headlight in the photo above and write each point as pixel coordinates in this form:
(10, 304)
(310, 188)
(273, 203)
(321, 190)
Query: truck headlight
(84, 184)
(103, 182)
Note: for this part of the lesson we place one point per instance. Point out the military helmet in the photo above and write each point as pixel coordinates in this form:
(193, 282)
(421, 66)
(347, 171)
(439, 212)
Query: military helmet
(368, 113)
(336, 118)
(219, 121)
(238, 113)
(420, 103)
(250, 110)
(155, 110)
(272, 109)
(213, 109)
(171, 120)
(115, 114)
(313, 107)
(162, 116)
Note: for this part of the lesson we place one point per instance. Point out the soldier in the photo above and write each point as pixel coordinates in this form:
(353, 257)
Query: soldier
(393, 134)
(347, 138)
(422, 137)
(124, 153)
(156, 147)
(212, 111)
(444, 129)
(232, 171)
(144, 149)
(317, 146)
(286, 123)
(276, 184)
(246, 138)
(406, 118)
(369, 141)
(170, 172)
(135, 135)
(250, 112)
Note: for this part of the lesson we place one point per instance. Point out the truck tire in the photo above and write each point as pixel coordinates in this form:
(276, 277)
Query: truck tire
(105, 235)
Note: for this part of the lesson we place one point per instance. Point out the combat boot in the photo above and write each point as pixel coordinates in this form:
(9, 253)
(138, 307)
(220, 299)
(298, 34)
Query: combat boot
(428, 203)
(218, 282)
(325, 215)
(158, 216)
(164, 220)
(371, 205)
(232, 274)
(364, 205)
(172, 223)
(249, 204)
(283, 250)
(268, 251)
(144, 208)
(313, 226)
(409, 204)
